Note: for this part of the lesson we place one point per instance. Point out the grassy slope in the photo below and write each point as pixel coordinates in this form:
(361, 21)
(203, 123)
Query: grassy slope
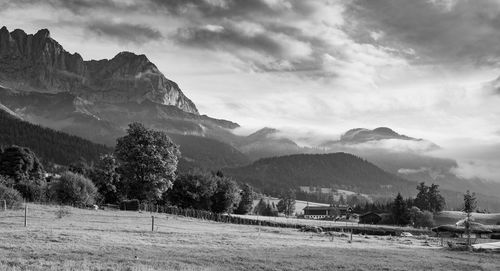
(90, 240)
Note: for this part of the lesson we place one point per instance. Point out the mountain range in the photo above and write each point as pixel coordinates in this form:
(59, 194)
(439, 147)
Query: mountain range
(43, 84)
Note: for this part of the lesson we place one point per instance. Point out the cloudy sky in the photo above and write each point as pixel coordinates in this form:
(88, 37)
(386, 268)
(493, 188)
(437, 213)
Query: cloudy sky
(425, 68)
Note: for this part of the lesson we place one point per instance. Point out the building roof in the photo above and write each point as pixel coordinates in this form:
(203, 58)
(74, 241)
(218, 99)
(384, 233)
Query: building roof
(342, 207)
(369, 213)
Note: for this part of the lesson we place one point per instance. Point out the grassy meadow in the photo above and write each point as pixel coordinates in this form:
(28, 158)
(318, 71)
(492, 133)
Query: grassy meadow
(76, 239)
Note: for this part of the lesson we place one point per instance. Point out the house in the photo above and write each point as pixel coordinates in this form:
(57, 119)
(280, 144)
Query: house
(370, 218)
(326, 212)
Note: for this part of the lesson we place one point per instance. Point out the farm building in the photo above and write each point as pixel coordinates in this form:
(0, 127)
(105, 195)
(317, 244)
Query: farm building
(370, 218)
(326, 212)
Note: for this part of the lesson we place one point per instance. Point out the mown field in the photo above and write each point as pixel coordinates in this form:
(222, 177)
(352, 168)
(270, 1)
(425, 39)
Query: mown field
(115, 240)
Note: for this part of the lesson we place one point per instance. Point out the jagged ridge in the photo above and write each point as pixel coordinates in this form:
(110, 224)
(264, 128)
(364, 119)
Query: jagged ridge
(38, 62)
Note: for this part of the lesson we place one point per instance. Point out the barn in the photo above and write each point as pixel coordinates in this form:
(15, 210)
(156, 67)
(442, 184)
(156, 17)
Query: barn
(370, 218)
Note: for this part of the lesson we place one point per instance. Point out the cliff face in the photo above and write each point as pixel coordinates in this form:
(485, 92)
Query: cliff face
(37, 62)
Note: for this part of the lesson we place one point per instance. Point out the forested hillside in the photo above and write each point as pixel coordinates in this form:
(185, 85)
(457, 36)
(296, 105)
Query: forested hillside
(206, 153)
(337, 170)
(49, 145)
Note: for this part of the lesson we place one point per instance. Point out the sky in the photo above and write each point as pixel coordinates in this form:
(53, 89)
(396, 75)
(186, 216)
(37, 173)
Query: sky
(426, 68)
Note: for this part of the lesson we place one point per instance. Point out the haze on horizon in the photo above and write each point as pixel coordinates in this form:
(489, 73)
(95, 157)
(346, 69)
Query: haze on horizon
(312, 68)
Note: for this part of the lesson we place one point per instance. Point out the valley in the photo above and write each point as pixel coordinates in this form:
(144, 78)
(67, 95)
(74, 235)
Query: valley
(43, 84)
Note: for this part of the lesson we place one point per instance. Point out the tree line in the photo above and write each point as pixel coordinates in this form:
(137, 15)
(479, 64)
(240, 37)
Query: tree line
(143, 167)
(52, 147)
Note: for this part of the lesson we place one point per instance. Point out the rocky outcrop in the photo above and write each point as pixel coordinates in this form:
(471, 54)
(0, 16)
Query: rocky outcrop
(360, 135)
(38, 62)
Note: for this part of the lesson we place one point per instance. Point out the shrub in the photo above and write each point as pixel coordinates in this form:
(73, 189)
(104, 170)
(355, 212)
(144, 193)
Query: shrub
(62, 212)
(130, 205)
(74, 189)
(12, 197)
(32, 191)
(421, 219)
(425, 219)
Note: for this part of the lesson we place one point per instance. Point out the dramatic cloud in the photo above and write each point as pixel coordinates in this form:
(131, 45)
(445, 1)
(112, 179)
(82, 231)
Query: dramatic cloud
(454, 31)
(124, 32)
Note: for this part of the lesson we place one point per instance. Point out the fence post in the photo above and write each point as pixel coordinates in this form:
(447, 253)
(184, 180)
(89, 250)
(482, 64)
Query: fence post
(4, 205)
(152, 223)
(25, 214)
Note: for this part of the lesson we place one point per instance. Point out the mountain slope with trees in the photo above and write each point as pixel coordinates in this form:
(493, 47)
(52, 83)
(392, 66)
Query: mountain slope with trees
(51, 146)
(337, 170)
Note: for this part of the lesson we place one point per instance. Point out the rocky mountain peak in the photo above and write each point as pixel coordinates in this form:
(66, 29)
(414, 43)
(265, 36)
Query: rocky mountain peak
(385, 131)
(39, 63)
(43, 33)
(359, 135)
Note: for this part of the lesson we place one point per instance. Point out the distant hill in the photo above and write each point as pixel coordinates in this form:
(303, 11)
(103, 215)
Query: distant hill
(266, 142)
(336, 170)
(206, 153)
(363, 135)
(340, 171)
(49, 145)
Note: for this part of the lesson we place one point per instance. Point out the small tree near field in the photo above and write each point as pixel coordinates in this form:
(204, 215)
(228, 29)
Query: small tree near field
(226, 196)
(286, 204)
(246, 202)
(12, 197)
(470, 204)
(74, 189)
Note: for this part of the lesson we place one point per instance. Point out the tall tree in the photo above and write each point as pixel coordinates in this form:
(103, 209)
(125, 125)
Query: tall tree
(286, 204)
(436, 200)
(148, 161)
(470, 204)
(226, 196)
(20, 164)
(429, 198)
(260, 208)
(106, 179)
(193, 190)
(399, 211)
(422, 200)
(246, 202)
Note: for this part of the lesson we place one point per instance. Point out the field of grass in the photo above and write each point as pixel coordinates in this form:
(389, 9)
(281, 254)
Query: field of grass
(116, 240)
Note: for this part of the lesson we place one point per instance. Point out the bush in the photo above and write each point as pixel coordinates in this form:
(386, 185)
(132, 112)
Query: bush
(421, 219)
(130, 205)
(425, 219)
(32, 191)
(12, 197)
(62, 212)
(74, 189)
